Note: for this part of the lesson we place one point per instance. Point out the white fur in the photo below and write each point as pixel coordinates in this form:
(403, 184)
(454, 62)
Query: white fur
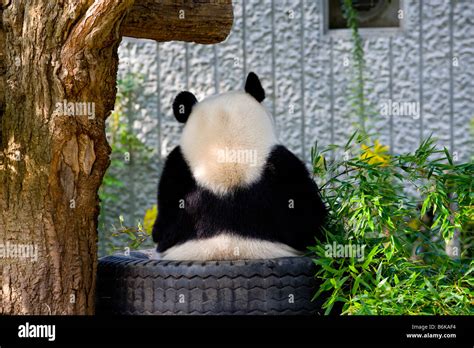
(227, 246)
(233, 121)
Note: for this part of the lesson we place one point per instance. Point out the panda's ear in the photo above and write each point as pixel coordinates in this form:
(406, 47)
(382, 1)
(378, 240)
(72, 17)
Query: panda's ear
(183, 105)
(254, 87)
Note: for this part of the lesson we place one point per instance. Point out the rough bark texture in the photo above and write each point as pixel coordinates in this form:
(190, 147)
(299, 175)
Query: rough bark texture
(2, 79)
(52, 159)
(198, 21)
(54, 163)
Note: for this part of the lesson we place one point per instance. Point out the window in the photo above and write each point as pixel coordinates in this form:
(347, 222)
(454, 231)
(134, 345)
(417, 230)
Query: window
(376, 17)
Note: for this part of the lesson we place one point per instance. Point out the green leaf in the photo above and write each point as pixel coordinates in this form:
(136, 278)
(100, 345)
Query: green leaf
(395, 279)
(353, 269)
(355, 287)
(382, 282)
(448, 156)
(350, 140)
(379, 272)
(370, 256)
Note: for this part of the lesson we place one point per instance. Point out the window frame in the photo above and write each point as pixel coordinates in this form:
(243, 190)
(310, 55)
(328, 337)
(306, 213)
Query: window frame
(364, 32)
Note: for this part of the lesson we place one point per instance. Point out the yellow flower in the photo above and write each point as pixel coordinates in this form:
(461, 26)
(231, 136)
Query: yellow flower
(377, 154)
(414, 224)
(319, 164)
(149, 218)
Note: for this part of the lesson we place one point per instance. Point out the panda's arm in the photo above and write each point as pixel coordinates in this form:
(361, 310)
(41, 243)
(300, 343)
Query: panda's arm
(176, 182)
(302, 211)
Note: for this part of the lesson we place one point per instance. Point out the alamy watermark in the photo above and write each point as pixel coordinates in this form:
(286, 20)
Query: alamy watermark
(28, 330)
(400, 108)
(19, 251)
(66, 108)
(242, 156)
(336, 250)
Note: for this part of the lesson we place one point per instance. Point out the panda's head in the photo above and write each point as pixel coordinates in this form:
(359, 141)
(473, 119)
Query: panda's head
(227, 137)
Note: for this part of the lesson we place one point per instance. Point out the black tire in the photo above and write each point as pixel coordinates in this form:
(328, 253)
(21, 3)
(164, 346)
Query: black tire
(137, 285)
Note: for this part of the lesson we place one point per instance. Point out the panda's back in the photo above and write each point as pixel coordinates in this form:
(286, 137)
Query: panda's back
(277, 215)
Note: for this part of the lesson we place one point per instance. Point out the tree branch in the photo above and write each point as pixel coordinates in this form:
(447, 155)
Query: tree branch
(203, 21)
(96, 30)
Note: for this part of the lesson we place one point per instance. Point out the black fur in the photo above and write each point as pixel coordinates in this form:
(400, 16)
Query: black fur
(261, 210)
(254, 87)
(183, 105)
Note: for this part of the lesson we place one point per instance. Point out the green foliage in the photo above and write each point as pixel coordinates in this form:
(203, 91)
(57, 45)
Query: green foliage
(368, 205)
(132, 237)
(357, 97)
(390, 284)
(373, 200)
(126, 147)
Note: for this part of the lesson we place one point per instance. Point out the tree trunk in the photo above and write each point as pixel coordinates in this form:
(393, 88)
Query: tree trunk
(58, 66)
(52, 159)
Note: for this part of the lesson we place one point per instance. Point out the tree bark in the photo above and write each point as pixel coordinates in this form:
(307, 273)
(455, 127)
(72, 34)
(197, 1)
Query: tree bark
(54, 159)
(58, 66)
(205, 22)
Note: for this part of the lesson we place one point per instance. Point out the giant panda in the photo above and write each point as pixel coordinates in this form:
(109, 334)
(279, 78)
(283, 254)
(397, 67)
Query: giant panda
(230, 190)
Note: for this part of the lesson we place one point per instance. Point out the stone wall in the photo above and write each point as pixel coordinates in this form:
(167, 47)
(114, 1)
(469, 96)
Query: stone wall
(307, 75)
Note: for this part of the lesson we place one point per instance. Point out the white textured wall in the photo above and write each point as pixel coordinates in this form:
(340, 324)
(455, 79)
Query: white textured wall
(306, 81)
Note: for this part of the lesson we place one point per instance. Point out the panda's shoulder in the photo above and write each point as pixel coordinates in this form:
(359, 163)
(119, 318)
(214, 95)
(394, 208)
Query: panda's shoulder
(280, 158)
(176, 154)
(175, 158)
(176, 165)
